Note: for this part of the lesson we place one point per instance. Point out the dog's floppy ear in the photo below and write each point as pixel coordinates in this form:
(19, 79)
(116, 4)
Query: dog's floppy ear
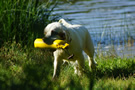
(67, 36)
(65, 30)
(62, 35)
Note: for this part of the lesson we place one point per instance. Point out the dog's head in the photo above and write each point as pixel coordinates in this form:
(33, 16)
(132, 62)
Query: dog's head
(54, 31)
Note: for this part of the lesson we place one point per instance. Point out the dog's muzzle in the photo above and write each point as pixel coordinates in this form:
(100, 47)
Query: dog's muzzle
(49, 40)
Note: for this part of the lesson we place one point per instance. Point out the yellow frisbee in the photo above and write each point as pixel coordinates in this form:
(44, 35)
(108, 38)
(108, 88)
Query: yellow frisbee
(39, 43)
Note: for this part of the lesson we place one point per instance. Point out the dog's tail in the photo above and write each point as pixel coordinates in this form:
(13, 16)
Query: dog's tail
(64, 22)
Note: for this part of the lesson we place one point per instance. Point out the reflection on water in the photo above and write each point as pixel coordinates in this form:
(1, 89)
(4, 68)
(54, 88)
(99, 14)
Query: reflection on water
(110, 22)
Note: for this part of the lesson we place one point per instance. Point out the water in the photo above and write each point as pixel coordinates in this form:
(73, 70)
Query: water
(111, 23)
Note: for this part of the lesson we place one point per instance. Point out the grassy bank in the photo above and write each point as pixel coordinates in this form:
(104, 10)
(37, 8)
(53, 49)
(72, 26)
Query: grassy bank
(21, 68)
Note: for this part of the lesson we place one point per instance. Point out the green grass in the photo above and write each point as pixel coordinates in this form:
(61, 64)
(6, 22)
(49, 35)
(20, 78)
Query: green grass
(23, 68)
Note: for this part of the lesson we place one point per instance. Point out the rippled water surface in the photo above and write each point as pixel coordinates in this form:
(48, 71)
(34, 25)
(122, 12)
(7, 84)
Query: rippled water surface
(111, 23)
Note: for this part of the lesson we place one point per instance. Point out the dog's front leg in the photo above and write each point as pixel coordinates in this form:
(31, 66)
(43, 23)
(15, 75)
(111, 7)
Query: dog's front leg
(57, 64)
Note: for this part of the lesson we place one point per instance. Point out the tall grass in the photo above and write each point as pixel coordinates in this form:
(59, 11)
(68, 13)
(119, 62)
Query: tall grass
(23, 20)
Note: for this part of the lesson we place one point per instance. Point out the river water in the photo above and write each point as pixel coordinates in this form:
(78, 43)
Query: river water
(111, 23)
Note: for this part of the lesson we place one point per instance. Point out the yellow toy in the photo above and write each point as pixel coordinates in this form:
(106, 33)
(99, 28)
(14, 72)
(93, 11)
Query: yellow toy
(39, 43)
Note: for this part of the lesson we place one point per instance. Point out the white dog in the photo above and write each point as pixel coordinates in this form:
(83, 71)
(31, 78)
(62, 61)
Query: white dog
(79, 40)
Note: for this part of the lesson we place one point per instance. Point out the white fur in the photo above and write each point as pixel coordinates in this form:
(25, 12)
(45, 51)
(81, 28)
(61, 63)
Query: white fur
(79, 40)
